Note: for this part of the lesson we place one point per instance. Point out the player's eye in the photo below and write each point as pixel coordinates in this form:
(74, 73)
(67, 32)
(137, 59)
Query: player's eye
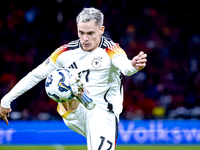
(90, 33)
(81, 33)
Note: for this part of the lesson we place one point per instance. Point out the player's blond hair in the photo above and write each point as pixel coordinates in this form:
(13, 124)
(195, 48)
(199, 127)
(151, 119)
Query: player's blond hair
(89, 14)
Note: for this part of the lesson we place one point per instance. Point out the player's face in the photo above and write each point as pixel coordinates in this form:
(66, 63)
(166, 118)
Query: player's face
(90, 35)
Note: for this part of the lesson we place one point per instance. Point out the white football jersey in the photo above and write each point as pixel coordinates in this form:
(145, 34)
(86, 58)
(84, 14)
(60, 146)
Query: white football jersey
(99, 70)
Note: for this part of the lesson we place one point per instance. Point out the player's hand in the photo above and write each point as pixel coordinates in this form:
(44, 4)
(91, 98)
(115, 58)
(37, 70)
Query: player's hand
(139, 61)
(4, 113)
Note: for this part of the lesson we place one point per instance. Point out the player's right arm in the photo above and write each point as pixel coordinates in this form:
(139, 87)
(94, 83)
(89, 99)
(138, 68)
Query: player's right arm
(26, 83)
(29, 81)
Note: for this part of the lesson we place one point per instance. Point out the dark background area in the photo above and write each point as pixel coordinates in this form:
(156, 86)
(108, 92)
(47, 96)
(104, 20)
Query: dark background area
(167, 30)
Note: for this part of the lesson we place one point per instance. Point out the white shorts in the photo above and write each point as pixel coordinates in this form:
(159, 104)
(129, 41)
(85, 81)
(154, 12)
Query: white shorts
(99, 126)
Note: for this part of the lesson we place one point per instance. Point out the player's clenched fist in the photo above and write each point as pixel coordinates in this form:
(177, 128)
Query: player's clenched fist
(139, 61)
(4, 113)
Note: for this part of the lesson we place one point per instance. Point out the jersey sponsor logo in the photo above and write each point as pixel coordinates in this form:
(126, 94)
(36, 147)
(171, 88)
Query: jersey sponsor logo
(73, 66)
(96, 63)
(116, 49)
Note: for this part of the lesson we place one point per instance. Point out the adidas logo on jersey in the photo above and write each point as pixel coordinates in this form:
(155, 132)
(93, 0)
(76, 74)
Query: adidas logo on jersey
(73, 66)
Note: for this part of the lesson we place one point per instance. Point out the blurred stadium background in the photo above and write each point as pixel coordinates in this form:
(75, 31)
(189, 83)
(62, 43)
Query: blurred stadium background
(163, 100)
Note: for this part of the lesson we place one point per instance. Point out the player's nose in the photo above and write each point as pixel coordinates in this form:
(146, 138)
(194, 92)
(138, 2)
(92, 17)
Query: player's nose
(85, 37)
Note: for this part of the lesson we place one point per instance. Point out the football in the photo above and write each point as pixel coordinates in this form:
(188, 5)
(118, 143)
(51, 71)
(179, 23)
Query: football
(57, 85)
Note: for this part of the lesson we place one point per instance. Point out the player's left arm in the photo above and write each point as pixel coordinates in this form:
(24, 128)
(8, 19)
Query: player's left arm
(121, 61)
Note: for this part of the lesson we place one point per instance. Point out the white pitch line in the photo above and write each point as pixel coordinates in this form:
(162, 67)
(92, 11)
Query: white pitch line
(59, 147)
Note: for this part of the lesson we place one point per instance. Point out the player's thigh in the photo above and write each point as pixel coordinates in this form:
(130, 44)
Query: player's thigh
(76, 120)
(103, 129)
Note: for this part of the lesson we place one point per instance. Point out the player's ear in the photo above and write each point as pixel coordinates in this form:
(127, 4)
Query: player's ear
(102, 29)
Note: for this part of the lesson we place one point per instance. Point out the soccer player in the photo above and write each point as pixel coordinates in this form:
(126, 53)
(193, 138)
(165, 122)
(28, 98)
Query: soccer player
(98, 62)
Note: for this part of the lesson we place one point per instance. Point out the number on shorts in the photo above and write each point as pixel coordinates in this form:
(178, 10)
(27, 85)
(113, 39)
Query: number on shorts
(102, 141)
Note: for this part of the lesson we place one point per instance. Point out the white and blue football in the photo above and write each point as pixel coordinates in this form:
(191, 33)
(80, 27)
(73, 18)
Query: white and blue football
(57, 85)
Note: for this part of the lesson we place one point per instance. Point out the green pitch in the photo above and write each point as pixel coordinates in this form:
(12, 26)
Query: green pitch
(61, 147)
